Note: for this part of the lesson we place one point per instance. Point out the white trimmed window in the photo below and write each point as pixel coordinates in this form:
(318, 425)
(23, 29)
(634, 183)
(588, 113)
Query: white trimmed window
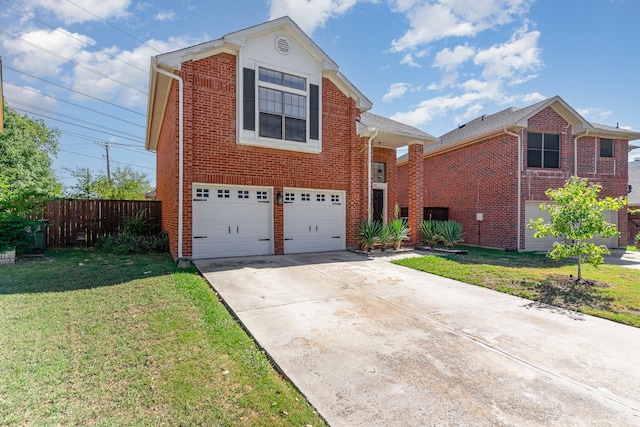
(280, 109)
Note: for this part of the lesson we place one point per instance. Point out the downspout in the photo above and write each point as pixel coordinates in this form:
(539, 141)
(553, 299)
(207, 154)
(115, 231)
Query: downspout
(180, 148)
(519, 203)
(369, 213)
(575, 153)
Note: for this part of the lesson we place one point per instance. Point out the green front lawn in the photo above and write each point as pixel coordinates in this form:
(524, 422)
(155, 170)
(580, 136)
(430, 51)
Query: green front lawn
(89, 338)
(613, 294)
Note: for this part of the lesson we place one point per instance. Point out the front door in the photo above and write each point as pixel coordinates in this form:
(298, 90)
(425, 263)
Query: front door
(378, 205)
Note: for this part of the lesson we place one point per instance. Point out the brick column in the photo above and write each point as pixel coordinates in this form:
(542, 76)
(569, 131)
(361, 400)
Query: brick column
(416, 191)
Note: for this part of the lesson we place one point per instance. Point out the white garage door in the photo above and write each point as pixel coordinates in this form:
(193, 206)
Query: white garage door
(314, 220)
(231, 221)
(532, 211)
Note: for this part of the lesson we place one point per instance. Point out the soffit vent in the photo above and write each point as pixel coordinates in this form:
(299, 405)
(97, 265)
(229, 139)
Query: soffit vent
(282, 45)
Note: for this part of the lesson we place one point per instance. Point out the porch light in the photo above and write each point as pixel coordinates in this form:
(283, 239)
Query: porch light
(279, 198)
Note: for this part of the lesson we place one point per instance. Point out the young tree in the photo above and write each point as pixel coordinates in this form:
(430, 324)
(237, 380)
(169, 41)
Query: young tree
(124, 184)
(577, 213)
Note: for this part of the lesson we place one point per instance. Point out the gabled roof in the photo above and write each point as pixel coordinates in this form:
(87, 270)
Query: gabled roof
(514, 119)
(160, 85)
(391, 134)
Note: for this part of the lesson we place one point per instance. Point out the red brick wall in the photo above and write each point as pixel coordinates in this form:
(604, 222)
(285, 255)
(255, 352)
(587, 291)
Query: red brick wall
(212, 155)
(611, 173)
(482, 178)
(167, 171)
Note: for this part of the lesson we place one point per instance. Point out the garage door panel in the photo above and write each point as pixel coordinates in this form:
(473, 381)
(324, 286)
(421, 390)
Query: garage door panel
(533, 211)
(231, 221)
(314, 220)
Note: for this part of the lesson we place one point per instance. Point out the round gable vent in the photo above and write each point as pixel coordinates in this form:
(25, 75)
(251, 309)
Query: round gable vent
(282, 45)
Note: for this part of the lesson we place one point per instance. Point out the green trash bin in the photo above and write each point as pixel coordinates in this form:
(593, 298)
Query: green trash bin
(37, 236)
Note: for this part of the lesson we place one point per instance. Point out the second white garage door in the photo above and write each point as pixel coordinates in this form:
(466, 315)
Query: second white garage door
(314, 220)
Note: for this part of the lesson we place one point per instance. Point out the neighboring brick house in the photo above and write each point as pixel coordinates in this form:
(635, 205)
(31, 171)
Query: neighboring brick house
(271, 143)
(474, 174)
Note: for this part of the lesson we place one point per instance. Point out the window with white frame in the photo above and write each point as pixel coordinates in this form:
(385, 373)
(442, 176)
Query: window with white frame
(288, 108)
(606, 147)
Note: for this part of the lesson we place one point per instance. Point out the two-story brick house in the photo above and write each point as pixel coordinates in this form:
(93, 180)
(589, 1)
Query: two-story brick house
(264, 147)
(491, 173)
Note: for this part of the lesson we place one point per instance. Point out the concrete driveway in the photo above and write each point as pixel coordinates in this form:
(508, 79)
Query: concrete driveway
(370, 343)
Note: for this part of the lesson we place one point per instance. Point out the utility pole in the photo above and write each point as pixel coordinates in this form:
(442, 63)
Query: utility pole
(106, 148)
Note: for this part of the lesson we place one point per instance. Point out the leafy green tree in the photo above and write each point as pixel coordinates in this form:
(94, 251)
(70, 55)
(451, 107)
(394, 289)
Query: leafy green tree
(84, 188)
(26, 148)
(577, 213)
(124, 184)
(26, 176)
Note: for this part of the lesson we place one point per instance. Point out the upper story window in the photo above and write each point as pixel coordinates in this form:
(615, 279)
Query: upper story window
(606, 147)
(287, 109)
(543, 150)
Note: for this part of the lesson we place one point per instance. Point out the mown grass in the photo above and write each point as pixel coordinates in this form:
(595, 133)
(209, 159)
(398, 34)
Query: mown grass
(89, 338)
(613, 294)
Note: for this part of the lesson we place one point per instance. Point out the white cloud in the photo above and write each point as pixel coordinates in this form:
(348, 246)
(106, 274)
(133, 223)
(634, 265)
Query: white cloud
(396, 90)
(532, 98)
(432, 20)
(112, 62)
(513, 59)
(165, 16)
(437, 107)
(25, 56)
(597, 115)
(309, 14)
(408, 60)
(88, 82)
(86, 10)
(27, 95)
(450, 59)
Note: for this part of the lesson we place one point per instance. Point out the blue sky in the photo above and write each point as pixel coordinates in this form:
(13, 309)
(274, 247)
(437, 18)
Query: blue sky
(82, 65)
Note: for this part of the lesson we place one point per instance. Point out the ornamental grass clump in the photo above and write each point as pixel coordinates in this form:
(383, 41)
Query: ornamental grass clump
(449, 233)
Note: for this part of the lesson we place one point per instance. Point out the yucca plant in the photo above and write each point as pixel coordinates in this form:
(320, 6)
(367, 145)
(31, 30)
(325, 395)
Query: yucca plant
(450, 233)
(384, 236)
(398, 229)
(430, 232)
(368, 233)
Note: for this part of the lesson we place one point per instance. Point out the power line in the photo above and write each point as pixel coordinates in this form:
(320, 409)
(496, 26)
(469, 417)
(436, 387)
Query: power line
(110, 24)
(75, 38)
(135, 148)
(74, 62)
(100, 158)
(76, 105)
(80, 126)
(46, 110)
(73, 90)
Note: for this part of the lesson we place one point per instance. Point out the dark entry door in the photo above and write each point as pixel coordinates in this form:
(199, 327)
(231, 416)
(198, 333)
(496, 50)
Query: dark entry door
(378, 205)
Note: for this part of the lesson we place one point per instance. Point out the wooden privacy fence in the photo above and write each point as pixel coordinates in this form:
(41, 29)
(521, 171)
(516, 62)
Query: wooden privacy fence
(634, 227)
(80, 222)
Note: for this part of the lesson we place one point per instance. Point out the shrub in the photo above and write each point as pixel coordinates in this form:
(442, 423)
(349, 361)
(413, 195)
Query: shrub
(429, 230)
(126, 243)
(450, 233)
(384, 236)
(13, 232)
(399, 232)
(368, 233)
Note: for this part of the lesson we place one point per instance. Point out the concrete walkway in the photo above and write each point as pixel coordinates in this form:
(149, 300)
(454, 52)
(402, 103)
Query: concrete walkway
(370, 343)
